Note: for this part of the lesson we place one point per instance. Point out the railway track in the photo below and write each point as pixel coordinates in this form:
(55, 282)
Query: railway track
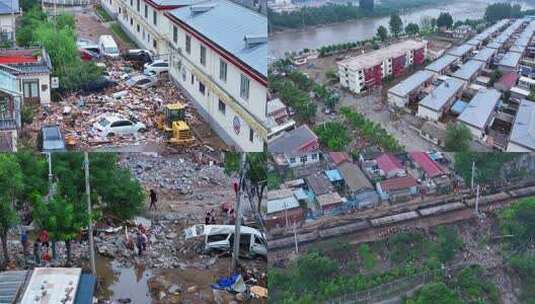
(392, 223)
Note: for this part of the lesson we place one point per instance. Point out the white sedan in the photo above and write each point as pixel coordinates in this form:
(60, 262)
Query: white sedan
(141, 81)
(111, 125)
(156, 67)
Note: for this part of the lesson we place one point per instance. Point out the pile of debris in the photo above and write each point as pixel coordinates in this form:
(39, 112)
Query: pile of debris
(75, 114)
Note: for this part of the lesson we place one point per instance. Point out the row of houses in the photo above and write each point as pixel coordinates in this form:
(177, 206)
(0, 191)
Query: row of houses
(342, 185)
(217, 51)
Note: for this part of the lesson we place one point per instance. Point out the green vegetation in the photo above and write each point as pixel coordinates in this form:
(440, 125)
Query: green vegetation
(104, 16)
(445, 20)
(333, 135)
(372, 132)
(458, 138)
(447, 245)
(24, 184)
(524, 267)
(436, 293)
(382, 33)
(331, 13)
(488, 165)
(395, 24)
(369, 261)
(498, 11)
(412, 29)
(331, 49)
(118, 31)
(58, 37)
(474, 287)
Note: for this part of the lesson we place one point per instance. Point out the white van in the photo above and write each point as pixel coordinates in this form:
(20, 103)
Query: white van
(108, 47)
(220, 238)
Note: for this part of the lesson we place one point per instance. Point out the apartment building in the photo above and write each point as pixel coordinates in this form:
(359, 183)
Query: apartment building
(218, 53)
(368, 70)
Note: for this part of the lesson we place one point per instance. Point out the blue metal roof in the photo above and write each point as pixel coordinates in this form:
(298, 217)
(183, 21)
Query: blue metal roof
(226, 24)
(11, 284)
(410, 84)
(485, 54)
(469, 69)
(480, 108)
(333, 175)
(86, 289)
(459, 106)
(523, 132)
(9, 6)
(495, 44)
(441, 63)
(440, 96)
(511, 59)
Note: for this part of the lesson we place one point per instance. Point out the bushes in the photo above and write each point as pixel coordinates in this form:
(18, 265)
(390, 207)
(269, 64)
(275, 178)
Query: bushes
(333, 135)
(473, 287)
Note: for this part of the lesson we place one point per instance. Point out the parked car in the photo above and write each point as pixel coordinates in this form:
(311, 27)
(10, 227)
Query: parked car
(108, 47)
(140, 55)
(88, 55)
(97, 85)
(141, 81)
(50, 139)
(112, 124)
(156, 67)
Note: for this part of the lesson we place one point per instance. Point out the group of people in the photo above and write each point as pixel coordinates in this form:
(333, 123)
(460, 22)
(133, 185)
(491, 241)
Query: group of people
(209, 219)
(139, 242)
(41, 247)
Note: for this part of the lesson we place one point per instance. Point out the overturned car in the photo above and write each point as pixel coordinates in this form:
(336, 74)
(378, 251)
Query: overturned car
(221, 238)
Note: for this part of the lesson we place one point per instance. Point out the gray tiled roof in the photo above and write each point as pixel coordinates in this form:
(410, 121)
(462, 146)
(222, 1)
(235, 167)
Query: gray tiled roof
(441, 63)
(226, 24)
(410, 84)
(480, 108)
(469, 69)
(440, 96)
(9, 6)
(461, 50)
(485, 54)
(291, 142)
(510, 59)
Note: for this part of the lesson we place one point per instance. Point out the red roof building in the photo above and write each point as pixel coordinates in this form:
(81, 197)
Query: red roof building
(338, 157)
(423, 161)
(506, 82)
(390, 165)
(398, 183)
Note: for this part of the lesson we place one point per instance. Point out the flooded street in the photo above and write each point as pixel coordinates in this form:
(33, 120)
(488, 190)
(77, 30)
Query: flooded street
(297, 40)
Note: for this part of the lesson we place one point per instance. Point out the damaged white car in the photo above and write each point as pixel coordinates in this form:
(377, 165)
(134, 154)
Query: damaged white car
(221, 238)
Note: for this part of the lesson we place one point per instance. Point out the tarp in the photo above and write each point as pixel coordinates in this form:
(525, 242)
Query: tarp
(86, 288)
(233, 283)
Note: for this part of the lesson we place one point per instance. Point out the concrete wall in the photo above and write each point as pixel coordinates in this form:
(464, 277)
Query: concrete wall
(428, 114)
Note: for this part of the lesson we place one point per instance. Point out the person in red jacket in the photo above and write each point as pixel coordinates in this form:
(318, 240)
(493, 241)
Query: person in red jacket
(43, 237)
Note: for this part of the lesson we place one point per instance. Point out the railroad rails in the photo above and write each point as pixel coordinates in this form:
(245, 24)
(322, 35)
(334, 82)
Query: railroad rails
(437, 208)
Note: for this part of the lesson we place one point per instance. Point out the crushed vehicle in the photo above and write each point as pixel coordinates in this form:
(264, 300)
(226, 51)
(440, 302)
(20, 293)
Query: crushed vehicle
(114, 124)
(97, 86)
(156, 67)
(108, 47)
(50, 139)
(141, 81)
(221, 238)
(138, 55)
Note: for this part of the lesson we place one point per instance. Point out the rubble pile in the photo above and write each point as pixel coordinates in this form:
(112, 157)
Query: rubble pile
(75, 114)
(176, 173)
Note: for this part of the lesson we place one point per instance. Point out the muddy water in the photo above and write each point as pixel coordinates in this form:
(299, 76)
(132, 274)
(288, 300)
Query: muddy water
(118, 282)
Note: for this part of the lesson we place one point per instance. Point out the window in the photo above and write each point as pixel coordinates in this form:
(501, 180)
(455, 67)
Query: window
(146, 11)
(314, 156)
(131, 21)
(292, 160)
(154, 44)
(131, 2)
(137, 28)
(4, 108)
(202, 89)
(244, 87)
(222, 70)
(188, 44)
(184, 74)
(251, 134)
(203, 55)
(192, 79)
(222, 107)
(31, 89)
(137, 5)
(175, 34)
(304, 159)
(154, 17)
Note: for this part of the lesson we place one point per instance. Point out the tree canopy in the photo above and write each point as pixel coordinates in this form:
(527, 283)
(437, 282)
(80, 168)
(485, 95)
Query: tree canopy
(458, 138)
(499, 11)
(445, 20)
(396, 25)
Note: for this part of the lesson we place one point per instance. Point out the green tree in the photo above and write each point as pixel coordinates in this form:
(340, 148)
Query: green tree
(11, 184)
(333, 135)
(445, 20)
(458, 138)
(382, 33)
(412, 29)
(447, 244)
(488, 165)
(519, 221)
(368, 259)
(396, 25)
(314, 265)
(62, 219)
(474, 287)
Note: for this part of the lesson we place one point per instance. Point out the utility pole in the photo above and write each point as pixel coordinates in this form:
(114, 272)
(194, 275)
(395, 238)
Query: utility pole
(295, 238)
(237, 209)
(89, 211)
(473, 173)
(50, 176)
(477, 201)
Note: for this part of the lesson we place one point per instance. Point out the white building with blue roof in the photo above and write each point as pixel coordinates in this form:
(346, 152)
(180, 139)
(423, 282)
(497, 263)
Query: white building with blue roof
(440, 100)
(400, 95)
(522, 137)
(478, 115)
(218, 53)
(9, 11)
(469, 71)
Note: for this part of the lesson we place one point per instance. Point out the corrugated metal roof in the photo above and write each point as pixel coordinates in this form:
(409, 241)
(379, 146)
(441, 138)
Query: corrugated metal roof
(354, 177)
(461, 50)
(485, 54)
(292, 142)
(227, 24)
(398, 183)
(440, 96)
(495, 45)
(388, 162)
(86, 289)
(441, 63)
(11, 283)
(9, 6)
(469, 69)
(333, 175)
(480, 108)
(282, 204)
(410, 84)
(423, 160)
(523, 132)
(510, 59)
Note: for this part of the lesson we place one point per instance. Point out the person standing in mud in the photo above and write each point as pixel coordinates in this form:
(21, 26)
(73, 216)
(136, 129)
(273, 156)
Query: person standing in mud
(139, 243)
(207, 218)
(24, 241)
(153, 199)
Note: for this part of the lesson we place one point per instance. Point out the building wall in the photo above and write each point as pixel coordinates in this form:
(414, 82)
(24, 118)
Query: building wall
(44, 80)
(6, 25)
(428, 114)
(303, 160)
(397, 100)
(476, 132)
(13, 135)
(278, 219)
(240, 116)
